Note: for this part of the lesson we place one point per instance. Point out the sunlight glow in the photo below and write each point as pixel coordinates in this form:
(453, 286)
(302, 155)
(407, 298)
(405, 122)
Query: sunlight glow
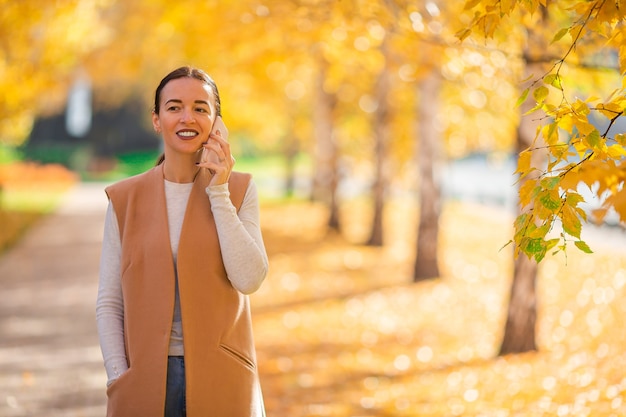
(566, 319)
(291, 319)
(371, 383)
(339, 33)
(361, 43)
(424, 354)
(290, 281)
(470, 395)
(295, 90)
(402, 362)
(306, 380)
(284, 364)
(417, 22)
(368, 104)
(432, 9)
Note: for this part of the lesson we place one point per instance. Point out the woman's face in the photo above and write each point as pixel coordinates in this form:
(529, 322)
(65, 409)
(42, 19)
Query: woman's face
(186, 115)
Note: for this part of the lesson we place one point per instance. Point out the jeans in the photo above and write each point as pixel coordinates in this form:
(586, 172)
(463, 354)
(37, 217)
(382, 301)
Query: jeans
(175, 395)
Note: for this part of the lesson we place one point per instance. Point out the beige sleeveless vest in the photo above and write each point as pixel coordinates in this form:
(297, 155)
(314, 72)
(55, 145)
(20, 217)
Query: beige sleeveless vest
(220, 360)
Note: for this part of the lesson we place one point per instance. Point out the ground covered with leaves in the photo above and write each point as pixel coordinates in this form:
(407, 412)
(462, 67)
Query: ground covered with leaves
(341, 330)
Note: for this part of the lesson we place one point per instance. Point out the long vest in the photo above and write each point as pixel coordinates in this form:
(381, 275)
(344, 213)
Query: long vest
(220, 360)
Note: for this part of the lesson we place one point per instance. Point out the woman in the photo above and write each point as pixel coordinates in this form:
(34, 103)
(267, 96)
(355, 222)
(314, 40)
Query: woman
(182, 248)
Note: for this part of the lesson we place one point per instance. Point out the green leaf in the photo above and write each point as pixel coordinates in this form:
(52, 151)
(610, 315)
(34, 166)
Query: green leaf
(534, 245)
(522, 98)
(583, 246)
(574, 198)
(541, 93)
(551, 201)
(593, 138)
(552, 243)
(550, 183)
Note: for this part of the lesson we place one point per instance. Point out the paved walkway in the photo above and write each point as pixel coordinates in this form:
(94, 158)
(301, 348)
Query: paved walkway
(50, 361)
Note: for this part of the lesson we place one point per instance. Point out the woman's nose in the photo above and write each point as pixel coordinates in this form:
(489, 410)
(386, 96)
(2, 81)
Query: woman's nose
(187, 117)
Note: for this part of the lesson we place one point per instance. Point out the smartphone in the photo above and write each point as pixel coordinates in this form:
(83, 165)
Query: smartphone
(218, 124)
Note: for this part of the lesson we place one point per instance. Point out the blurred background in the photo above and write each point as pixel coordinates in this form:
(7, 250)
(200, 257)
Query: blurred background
(385, 152)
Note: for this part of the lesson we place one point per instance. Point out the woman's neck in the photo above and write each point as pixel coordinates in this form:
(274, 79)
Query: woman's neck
(180, 169)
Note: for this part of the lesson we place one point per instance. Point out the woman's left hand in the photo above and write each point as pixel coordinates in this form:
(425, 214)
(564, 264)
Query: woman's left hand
(216, 157)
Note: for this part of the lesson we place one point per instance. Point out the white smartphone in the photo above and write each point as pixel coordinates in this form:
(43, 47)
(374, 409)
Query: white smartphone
(211, 156)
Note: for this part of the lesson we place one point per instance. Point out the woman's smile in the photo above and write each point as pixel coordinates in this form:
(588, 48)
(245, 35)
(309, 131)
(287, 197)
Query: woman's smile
(187, 134)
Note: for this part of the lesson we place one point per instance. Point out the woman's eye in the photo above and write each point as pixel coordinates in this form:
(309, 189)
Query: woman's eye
(201, 110)
(173, 108)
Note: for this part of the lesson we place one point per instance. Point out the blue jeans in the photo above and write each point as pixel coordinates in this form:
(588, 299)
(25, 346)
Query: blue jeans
(175, 405)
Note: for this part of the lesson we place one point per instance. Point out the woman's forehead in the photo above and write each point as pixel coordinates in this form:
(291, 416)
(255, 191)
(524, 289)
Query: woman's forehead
(188, 88)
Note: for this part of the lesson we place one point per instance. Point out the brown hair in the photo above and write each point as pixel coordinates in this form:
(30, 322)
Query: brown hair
(183, 72)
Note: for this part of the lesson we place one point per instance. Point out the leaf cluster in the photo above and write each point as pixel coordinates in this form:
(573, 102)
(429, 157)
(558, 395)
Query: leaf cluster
(578, 136)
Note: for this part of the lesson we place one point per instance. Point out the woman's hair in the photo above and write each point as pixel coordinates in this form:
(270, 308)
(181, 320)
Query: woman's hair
(183, 72)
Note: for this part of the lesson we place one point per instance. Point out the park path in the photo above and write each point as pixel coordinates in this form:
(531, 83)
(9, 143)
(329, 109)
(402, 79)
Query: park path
(50, 360)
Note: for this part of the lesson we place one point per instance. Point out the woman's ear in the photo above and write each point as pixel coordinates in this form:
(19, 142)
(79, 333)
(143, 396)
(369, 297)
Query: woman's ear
(156, 123)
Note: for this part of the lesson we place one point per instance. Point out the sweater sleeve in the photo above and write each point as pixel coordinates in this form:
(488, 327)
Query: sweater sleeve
(239, 233)
(110, 304)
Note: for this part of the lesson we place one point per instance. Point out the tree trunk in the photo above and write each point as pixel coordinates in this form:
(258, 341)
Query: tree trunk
(326, 178)
(520, 328)
(381, 133)
(426, 262)
(519, 333)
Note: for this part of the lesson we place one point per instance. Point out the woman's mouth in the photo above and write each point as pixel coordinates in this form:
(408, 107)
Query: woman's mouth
(187, 134)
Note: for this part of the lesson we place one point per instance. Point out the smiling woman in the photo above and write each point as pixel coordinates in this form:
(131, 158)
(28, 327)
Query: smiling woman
(182, 240)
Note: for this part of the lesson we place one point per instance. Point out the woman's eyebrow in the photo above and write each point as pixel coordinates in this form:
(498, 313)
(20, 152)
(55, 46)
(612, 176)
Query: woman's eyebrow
(175, 100)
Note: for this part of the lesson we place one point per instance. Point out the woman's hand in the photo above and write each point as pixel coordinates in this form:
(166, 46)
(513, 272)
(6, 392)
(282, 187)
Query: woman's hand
(216, 157)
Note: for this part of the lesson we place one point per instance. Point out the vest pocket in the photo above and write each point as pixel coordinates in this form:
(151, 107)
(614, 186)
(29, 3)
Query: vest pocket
(115, 385)
(238, 356)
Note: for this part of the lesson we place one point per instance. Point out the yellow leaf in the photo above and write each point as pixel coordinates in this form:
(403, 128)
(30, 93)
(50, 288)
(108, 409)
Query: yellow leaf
(571, 222)
(550, 134)
(527, 192)
(470, 4)
(463, 34)
(566, 123)
(609, 110)
(560, 34)
(507, 6)
(584, 126)
(523, 163)
(618, 202)
(616, 151)
(599, 215)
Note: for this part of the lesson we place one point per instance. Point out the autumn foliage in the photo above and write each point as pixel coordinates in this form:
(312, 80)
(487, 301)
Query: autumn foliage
(340, 332)
(578, 135)
(27, 191)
